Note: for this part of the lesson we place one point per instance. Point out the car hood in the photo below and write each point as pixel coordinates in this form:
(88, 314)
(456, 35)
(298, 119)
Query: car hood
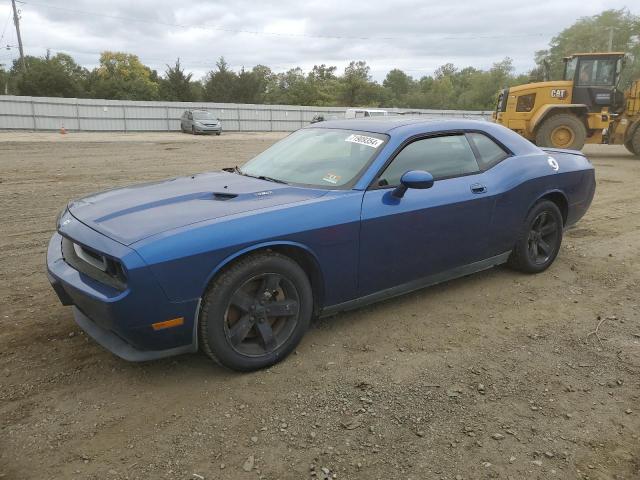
(130, 214)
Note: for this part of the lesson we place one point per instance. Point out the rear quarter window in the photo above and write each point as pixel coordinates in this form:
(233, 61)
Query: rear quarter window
(489, 152)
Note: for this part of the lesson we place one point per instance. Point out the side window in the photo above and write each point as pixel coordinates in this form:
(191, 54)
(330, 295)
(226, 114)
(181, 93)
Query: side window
(190, 116)
(359, 114)
(570, 69)
(490, 152)
(442, 157)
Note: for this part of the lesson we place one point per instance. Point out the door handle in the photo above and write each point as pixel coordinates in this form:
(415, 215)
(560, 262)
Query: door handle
(478, 188)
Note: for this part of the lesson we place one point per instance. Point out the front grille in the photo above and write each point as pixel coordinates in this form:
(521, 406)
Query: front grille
(93, 264)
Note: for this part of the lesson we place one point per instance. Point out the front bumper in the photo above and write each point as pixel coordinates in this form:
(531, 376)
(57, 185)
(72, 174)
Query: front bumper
(120, 347)
(121, 320)
(207, 129)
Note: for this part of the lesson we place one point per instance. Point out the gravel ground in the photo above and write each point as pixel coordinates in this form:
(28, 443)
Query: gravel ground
(495, 375)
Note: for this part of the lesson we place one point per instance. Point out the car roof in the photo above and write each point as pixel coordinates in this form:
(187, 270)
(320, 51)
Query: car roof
(401, 127)
(390, 123)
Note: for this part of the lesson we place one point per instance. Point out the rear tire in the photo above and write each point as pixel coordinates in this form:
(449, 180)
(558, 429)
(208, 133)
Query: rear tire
(562, 130)
(256, 312)
(539, 240)
(193, 130)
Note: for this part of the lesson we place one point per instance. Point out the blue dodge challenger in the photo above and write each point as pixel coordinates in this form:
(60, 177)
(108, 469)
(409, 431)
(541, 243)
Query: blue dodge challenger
(339, 214)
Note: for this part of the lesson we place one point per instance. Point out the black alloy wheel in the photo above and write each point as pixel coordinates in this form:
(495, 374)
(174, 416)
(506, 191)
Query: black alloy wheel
(262, 314)
(539, 241)
(543, 238)
(255, 312)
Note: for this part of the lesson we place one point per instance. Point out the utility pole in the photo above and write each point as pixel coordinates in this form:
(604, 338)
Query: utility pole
(611, 38)
(16, 21)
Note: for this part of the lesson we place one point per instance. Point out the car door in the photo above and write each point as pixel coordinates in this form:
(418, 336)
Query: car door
(426, 232)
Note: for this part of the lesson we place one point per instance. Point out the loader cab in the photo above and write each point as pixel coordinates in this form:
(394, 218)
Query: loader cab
(595, 78)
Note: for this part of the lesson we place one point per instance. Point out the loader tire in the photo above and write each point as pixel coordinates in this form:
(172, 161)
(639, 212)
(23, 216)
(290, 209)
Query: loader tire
(562, 130)
(633, 143)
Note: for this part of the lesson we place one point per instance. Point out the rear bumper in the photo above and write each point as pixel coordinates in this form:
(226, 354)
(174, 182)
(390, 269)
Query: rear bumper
(587, 191)
(121, 321)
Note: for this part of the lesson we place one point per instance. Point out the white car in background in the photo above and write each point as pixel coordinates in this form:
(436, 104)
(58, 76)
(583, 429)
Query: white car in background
(364, 113)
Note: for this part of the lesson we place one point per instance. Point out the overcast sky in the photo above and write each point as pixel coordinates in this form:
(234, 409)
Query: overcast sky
(414, 35)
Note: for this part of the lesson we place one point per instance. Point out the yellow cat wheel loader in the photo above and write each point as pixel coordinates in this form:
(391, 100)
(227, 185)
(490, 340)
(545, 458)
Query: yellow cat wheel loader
(586, 106)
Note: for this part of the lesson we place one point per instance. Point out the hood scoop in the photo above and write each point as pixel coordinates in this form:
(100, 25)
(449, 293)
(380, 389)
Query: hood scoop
(223, 196)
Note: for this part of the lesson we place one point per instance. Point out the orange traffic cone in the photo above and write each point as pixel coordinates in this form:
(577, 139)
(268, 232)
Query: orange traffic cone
(63, 131)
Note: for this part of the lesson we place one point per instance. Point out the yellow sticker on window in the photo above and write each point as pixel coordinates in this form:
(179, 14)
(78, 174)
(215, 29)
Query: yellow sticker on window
(331, 178)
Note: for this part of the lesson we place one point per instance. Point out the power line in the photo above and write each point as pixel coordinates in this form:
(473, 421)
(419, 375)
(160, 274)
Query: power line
(275, 34)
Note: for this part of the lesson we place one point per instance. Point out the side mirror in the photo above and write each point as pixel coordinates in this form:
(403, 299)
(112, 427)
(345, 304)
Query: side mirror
(413, 179)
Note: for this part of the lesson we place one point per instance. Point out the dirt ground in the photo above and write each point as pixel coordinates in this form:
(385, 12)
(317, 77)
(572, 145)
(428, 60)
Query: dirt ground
(491, 376)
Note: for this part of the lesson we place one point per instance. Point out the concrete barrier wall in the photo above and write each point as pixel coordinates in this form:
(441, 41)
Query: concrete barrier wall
(87, 114)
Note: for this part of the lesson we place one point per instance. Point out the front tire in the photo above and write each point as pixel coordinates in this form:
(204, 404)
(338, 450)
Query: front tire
(562, 130)
(256, 312)
(539, 240)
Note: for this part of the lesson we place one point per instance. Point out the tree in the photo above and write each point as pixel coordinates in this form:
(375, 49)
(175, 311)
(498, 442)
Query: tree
(293, 88)
(249, 86)
(122, 76)
(265, 83)
(57, 76)
(356, 86)
(323, 85)
(591, 34)
(219, 85)
(399, 84)
(176, 85)
(4, 81)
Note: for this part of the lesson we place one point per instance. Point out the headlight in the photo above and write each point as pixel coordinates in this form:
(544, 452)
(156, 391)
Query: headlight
(94, 264)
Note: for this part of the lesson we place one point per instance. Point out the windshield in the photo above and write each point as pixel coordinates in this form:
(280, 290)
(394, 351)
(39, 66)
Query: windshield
(317, 156)
(203, 116)
(597, 72)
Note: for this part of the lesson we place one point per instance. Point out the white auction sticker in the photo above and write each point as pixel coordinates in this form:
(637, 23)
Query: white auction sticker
(364, 140)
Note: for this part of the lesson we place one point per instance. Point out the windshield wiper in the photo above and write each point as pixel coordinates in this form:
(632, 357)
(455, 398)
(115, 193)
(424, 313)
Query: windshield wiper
(269, 179)
(237, 170)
